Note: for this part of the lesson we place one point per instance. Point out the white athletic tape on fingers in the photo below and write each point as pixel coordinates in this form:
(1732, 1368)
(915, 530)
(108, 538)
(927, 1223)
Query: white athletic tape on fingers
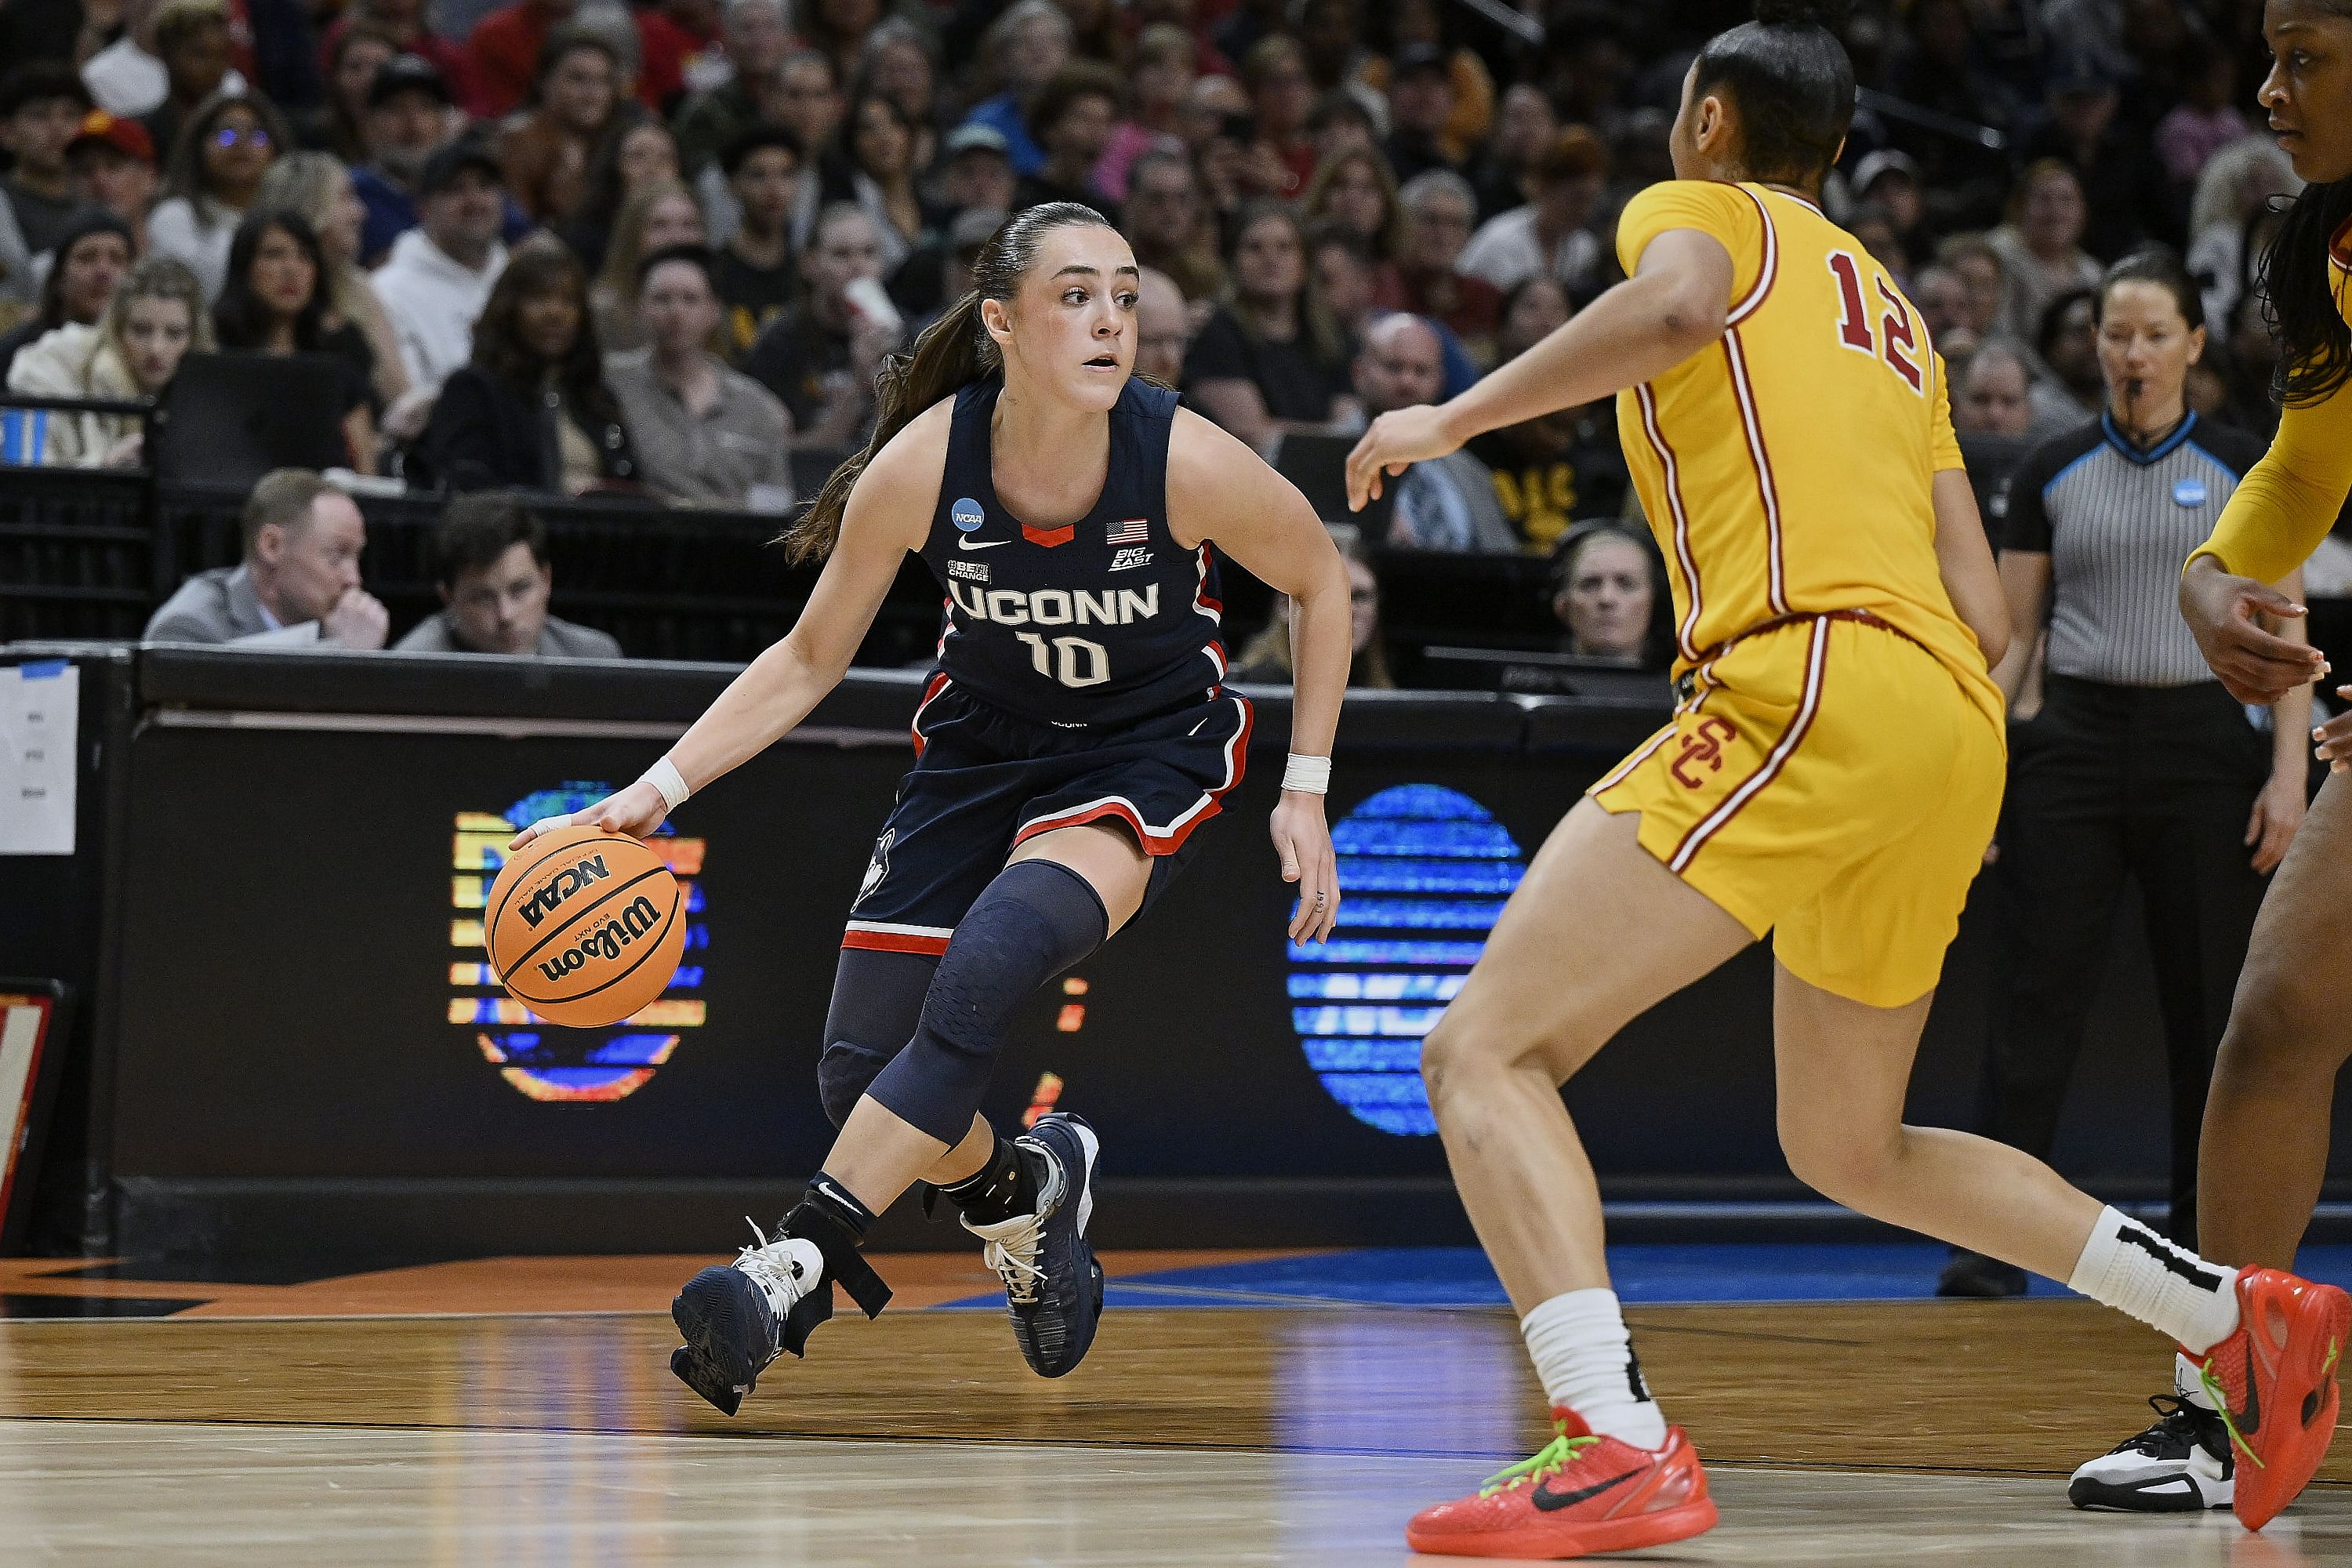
(547, 825)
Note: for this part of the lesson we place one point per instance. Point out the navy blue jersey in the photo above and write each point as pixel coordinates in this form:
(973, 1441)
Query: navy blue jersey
(1100, 622)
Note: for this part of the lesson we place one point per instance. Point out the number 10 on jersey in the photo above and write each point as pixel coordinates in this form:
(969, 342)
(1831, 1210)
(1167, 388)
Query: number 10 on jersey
(1073, 661)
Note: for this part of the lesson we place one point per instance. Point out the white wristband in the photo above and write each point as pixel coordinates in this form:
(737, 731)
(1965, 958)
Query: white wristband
(664, 776)
(1308, 775)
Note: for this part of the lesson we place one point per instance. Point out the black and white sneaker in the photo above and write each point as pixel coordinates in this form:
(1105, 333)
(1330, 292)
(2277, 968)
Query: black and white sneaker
(1052, 1286)
(2181, 1464)
(734, 1319)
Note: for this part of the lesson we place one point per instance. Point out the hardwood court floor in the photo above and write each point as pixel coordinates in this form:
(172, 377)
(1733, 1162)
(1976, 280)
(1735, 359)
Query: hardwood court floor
(1850, 1432)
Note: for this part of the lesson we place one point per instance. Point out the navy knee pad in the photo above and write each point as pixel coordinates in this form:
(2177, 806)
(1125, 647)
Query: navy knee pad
(878, 1000)
(1035, 920)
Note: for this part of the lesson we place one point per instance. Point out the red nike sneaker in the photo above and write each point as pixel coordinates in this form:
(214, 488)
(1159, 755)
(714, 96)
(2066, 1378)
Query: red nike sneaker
(2274, 1384)
(1579, 1494)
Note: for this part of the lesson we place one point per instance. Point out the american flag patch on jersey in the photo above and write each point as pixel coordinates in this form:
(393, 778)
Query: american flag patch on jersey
(1134, 531)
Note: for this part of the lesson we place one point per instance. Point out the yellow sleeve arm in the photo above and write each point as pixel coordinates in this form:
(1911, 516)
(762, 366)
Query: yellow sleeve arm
(1943, 444)
(2287, 502)
(1723, 211)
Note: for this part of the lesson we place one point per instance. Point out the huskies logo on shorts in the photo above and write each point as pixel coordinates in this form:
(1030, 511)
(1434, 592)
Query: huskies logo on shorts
(966, 514)
(877, 869)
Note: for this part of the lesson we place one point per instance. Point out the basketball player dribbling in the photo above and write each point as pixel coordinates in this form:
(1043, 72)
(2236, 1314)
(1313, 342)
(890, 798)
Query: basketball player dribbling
(1072, 738)
(2264, 1150)
(1832, 775)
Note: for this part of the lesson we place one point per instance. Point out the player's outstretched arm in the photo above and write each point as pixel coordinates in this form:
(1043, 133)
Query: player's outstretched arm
(1676, 304)
(1219, 490)
(889, 512)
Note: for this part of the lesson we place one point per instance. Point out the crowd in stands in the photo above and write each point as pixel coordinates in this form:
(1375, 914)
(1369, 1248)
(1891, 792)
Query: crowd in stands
(594, 247)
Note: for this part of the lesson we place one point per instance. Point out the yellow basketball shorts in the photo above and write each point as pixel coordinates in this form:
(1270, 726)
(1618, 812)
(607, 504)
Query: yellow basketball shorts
(1827, 780)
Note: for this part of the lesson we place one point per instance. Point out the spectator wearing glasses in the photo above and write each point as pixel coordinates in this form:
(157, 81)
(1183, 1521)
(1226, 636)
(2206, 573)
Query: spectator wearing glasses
(213, 177)
(1162, 328)
(1267, 660)
(490, 568)
(703, 432)
(298, 585)
(1438, 208)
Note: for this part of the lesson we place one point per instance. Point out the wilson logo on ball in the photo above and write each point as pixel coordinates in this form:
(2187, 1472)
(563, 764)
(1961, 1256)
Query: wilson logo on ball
(617, 933)
(544, 902)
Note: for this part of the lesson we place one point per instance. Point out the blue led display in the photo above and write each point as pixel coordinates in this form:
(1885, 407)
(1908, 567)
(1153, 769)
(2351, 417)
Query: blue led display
(1414, 860)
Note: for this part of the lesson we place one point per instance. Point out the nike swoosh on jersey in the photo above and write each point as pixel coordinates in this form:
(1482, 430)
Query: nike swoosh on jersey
(978, 544)
(1552, 1502)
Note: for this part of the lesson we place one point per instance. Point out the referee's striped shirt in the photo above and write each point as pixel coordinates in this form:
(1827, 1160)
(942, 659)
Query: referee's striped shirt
(2118, 524)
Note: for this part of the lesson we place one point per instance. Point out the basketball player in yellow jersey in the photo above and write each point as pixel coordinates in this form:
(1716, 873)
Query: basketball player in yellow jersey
(1832, 775)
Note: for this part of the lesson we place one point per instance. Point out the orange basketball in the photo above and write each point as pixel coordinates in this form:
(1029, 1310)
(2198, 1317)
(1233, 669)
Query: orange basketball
(584, 927)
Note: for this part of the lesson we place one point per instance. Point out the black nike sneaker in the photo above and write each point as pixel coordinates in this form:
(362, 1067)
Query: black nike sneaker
(1052, 1286)
(2181, 1464)
(736, 1320)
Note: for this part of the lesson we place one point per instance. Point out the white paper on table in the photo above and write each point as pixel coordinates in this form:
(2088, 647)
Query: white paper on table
(40, 713)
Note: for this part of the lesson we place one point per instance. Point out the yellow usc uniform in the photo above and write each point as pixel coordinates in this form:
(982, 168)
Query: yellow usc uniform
(1834, 766)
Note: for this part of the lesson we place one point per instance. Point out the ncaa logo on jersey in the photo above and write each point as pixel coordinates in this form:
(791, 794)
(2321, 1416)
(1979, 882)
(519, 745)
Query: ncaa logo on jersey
(2188, 492)
(966, 514)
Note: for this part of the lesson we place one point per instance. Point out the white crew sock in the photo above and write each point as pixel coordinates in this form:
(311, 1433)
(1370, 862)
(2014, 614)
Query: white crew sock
(1586, 1361)
(2131, 1269)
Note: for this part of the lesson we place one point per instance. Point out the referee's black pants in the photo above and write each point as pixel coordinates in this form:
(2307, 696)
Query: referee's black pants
(2108, 782)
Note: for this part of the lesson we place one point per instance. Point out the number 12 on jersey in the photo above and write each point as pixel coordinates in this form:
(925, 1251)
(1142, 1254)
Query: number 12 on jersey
(1896, 342)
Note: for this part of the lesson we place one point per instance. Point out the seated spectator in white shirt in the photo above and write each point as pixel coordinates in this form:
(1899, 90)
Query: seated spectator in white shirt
(440, 273)
(298, 585)
(1445, 503)
(491, 570)
(1552, 233)
(703, 432)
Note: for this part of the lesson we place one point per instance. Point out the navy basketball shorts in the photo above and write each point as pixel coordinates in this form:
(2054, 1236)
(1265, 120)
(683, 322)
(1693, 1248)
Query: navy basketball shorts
(984, 780)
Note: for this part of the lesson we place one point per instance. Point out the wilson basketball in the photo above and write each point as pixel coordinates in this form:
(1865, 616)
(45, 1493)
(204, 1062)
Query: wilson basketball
(584, 927)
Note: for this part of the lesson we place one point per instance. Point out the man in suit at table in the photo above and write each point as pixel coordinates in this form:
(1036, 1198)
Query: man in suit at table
(298, 585)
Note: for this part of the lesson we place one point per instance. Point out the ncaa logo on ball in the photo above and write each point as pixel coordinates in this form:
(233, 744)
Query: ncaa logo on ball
(966, 514)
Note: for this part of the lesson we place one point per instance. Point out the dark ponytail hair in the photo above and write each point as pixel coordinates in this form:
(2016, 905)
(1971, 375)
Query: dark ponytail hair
(2159, 266)
(2298, 285)
(953, 351)
(1794, 83)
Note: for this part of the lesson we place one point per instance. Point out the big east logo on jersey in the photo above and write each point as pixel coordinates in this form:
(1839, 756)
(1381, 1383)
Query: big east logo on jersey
(1056, 606)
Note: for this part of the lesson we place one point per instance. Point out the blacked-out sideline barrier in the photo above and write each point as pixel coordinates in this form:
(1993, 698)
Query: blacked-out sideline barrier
(91, 553)
(285, 1034)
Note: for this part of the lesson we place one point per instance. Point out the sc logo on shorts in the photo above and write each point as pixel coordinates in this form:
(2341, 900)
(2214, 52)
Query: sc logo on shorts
(1703, 746)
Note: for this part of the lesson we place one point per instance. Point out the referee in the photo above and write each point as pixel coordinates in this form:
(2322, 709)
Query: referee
(2138, 766)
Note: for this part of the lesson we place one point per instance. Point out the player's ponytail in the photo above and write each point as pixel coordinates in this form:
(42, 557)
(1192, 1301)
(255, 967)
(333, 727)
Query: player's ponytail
(2298, 284)
(952, 353)
(1792, 83)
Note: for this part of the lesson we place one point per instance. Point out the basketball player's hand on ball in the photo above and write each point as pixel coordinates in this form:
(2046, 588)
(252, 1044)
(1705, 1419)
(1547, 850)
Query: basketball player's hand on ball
(636, 811)
(1303, 840)
(2225, 615)
(1397, 441)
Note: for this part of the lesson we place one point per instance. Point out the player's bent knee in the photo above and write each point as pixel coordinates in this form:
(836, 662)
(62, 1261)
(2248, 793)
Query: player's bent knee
(843, 1073)
(2280, 1025)
(1834, 1163)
